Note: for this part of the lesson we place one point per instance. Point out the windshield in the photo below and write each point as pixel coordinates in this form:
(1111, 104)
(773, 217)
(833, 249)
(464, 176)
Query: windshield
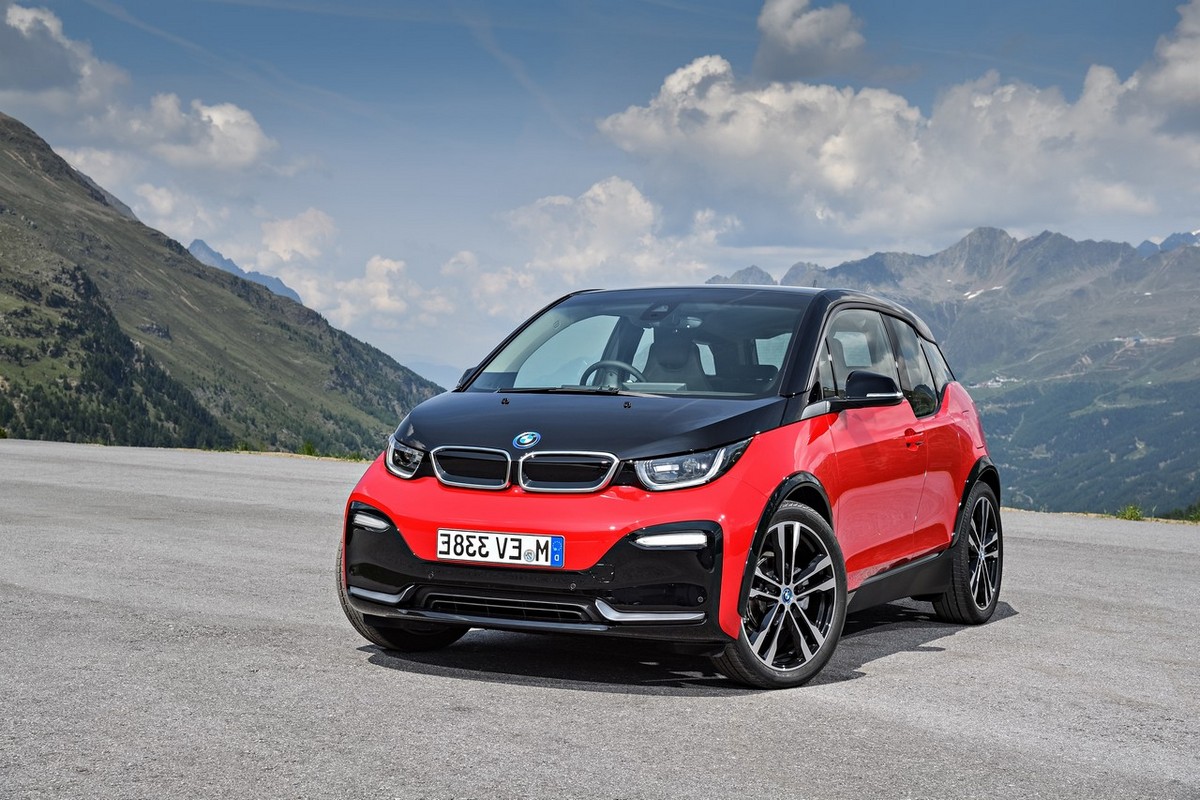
(711, 341)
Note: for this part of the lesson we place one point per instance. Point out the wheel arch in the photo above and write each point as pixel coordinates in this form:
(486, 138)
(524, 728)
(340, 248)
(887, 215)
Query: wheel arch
(983, 470)
(800, 487)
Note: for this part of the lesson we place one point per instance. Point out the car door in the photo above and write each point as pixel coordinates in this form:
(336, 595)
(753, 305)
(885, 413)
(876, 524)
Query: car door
(880, 457)
(942, 435)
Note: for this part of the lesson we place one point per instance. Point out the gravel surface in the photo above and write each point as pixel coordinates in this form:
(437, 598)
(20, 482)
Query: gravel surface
(168, 628)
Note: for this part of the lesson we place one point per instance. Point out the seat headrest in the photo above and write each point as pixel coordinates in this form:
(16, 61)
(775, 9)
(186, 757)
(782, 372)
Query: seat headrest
(672, 349)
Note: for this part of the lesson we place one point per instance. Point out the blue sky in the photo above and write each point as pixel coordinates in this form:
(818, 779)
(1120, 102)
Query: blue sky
(427, 173)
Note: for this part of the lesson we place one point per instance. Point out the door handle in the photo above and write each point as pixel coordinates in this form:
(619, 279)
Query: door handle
(913, 439)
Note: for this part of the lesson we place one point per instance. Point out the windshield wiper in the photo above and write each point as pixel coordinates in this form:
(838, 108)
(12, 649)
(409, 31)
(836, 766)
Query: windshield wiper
(563, 390)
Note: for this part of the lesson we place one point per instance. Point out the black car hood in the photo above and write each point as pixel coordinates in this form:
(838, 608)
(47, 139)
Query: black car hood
(628, 427)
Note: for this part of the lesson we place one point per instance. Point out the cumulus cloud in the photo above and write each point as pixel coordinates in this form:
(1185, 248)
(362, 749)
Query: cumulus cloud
(816, 159)
(387, 293)
(1175, 77)
(109, 168)
(572, 237)
(41, 67)
(815, 150)
(221, 136)
(799, 41)
(383, 297)
(610, 235)
(177, 213)
(300, 237)
(464, 262)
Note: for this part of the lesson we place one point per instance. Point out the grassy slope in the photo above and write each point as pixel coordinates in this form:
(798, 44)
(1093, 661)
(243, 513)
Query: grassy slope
(274, 373)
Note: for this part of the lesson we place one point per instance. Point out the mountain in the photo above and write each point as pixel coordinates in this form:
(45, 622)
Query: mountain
(1172, 242)
(750, 276)
(112, 332)
(121, 208)
(1083, 356)
(441, 374)
(206, 255)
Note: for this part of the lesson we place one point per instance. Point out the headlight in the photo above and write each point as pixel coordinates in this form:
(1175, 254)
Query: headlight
(693, 469)
(402, 460)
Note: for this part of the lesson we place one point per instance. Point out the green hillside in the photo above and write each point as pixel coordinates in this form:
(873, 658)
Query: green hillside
(111, 332)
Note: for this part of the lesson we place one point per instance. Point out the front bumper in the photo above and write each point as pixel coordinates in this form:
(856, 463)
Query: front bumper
(661, 593)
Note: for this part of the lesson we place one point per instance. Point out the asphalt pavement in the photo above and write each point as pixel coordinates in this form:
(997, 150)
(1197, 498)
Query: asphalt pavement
(169, 628)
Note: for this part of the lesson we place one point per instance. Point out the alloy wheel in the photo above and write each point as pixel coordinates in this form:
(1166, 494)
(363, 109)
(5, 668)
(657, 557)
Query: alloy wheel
(983, 562)
(791, 603)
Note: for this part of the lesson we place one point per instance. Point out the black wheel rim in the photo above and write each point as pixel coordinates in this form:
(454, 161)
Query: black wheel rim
(983, 558)
(793, 593)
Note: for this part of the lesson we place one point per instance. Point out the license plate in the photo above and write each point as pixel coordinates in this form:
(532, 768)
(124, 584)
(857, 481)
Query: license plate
(487, 547)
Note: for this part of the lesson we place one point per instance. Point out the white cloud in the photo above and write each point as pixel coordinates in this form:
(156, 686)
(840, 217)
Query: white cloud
(1113, 198)
(301, 237)
(801, 42)
(177, 213)
(610, 235)
(1176, 77)
(464, 262)
(574, 236)
(221, 136)
(383, 297)
(819, 160)
(41, 67)
(808, 149)
(109, 168)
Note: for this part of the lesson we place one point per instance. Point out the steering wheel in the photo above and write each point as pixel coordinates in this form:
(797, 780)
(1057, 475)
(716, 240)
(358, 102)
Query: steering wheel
(613, 364)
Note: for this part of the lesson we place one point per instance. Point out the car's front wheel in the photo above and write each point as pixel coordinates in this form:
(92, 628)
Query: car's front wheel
(407, 637)
(794, 603)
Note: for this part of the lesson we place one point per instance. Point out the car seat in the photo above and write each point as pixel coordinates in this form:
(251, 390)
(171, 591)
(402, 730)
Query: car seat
(675, 358)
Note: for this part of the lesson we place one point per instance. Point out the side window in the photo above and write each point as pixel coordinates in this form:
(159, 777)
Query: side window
(856, 340)
(937, 362)
(916, 379)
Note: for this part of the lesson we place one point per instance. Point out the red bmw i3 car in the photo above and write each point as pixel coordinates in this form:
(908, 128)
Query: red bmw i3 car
(730, 468)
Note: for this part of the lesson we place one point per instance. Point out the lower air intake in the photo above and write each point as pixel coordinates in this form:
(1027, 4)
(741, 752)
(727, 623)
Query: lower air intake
(503, 608)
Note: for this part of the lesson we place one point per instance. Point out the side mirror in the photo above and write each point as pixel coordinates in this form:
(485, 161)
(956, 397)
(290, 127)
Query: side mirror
(866, 389)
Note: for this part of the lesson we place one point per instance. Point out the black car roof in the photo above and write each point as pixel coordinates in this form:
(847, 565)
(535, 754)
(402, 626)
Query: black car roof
(826, 299)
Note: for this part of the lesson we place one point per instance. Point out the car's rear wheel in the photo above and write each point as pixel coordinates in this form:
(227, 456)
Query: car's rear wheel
(407, 637)
(977, 563)
(795, 603)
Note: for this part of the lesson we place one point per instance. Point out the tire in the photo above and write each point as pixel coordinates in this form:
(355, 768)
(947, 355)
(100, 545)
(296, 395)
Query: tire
(405, 637)
(977, 564)
(795, 603)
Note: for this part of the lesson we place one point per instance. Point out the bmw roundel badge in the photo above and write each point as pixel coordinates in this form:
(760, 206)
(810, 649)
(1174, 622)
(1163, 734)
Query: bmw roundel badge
(526, 440)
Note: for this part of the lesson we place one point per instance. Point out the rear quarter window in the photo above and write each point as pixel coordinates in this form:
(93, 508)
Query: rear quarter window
(937, 364)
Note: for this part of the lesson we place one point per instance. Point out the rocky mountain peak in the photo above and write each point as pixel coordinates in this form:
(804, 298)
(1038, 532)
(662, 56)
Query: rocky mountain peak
(748, 276)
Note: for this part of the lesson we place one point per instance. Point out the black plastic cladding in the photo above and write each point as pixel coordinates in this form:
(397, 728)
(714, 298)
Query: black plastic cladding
(984, 469)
